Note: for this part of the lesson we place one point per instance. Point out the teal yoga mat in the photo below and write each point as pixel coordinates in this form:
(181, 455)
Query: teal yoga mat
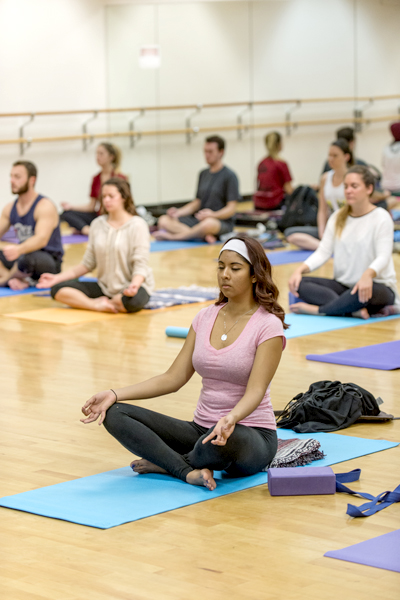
(306, 325)
(5, 291)
(165, 245)
(121, 496)
(310, 324)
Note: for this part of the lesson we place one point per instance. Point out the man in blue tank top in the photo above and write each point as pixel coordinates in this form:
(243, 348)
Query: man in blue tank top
(36, 224)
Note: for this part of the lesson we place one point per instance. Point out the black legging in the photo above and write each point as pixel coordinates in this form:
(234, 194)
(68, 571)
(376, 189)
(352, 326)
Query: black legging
(34, 264)
(176, 445)
(335, 299)
(92, 290)
(78, 219)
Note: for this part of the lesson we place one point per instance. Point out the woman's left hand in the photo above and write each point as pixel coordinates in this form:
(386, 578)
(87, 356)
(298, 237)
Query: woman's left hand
(131, 290)
(364, 288)
(222, 431)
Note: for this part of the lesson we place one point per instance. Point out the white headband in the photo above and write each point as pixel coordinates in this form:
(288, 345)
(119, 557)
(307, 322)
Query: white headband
(237, 246)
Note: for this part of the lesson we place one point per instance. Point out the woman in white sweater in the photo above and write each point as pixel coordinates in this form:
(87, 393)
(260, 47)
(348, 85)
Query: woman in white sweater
(360, 236)
(119, 245)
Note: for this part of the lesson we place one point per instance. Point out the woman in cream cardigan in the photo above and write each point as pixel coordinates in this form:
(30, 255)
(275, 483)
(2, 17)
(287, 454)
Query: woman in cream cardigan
(119, 245)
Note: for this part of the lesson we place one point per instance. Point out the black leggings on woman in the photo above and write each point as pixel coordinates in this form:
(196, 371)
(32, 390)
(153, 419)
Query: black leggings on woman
(78, 219)
(335, 299)
(92, 290)
(177, 447)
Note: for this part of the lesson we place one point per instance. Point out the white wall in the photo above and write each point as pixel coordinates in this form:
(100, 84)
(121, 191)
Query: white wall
(235, 51)
(53, 58)
(66, 54)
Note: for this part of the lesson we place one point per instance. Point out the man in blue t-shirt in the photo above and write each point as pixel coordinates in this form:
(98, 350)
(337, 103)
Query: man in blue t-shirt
(211, 214)
(36, 225)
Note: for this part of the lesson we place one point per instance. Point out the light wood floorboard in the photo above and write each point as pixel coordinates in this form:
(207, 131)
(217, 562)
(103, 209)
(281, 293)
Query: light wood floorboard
(245, 545)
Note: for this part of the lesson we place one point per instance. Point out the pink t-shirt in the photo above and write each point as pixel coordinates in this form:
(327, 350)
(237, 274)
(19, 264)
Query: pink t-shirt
(226, 372)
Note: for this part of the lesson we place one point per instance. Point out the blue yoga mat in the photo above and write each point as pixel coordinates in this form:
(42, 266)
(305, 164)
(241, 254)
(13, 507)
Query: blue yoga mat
(166, 245)
(384, 357)
(382, 552)
(287, 257)
(306, 324)
(121, 496)
(311, 324)
(275, 258)
(5, 291)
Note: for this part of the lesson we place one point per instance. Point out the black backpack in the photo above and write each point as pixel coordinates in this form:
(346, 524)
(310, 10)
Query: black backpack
(327, 406)
(301, 208)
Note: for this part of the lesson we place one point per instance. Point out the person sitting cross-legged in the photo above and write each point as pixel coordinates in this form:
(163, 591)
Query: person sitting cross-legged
(235, 345)
(211, 214)
(36, 224)
(360, 238)
(119, 245)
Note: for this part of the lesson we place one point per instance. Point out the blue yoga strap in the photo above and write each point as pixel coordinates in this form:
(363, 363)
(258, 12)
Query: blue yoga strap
(376, 503)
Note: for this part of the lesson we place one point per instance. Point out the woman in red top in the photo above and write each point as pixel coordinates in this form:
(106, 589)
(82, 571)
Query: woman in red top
(273, 178)
(108, 157)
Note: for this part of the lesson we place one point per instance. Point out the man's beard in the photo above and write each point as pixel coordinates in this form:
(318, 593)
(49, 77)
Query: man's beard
(21, 190)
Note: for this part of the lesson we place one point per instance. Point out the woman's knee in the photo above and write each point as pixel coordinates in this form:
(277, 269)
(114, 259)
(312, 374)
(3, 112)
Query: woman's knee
(135, 303)
(113, 417)
(55, 289)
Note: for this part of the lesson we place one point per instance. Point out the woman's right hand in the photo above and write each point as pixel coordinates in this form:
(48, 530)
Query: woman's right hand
(66, 205)
(47, 280)
(294, 283)
(97, 406)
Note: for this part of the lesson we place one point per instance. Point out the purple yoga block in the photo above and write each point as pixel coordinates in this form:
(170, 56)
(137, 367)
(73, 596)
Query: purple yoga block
(300, 481)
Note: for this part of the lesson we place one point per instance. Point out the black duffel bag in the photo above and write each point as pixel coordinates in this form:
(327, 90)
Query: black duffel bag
(327, 406)
(301, 208)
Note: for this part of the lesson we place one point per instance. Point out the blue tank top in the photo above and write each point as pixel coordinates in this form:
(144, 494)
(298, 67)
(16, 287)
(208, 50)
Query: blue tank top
(25, 228)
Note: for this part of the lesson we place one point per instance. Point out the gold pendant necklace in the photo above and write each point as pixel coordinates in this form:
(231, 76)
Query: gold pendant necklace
(224, 336)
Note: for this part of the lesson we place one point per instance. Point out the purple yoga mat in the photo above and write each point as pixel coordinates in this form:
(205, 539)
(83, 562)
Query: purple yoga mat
(74, 239)
(382, 552)
(384, 357)
(10, 236)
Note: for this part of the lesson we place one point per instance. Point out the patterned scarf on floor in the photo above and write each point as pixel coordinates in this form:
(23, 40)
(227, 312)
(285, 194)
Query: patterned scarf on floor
(296, 453)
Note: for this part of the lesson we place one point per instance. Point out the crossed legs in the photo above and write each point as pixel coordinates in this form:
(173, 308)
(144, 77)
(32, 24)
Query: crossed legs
(173, 229)
(169, 445)
(329, 297)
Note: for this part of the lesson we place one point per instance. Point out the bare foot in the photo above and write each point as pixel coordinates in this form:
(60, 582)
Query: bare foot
(387, 311)
(104, 304)
(162, 234)
(145, 466)
(302, 308)
(210, 239)
(18, 284)
(117, 302)
(203, 477)
(361, 314)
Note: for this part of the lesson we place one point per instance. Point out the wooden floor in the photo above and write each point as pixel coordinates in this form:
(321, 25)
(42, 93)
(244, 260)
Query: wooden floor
(245, 545)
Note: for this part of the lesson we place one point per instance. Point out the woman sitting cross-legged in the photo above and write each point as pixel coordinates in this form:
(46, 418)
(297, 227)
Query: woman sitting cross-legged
(108, 157)
(119, 245)
(235, 345)
(360, 236)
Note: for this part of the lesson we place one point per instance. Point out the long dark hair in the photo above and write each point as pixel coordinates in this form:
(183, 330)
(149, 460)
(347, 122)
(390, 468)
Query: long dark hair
(345, 148)
(265, 292)
(125, 190)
